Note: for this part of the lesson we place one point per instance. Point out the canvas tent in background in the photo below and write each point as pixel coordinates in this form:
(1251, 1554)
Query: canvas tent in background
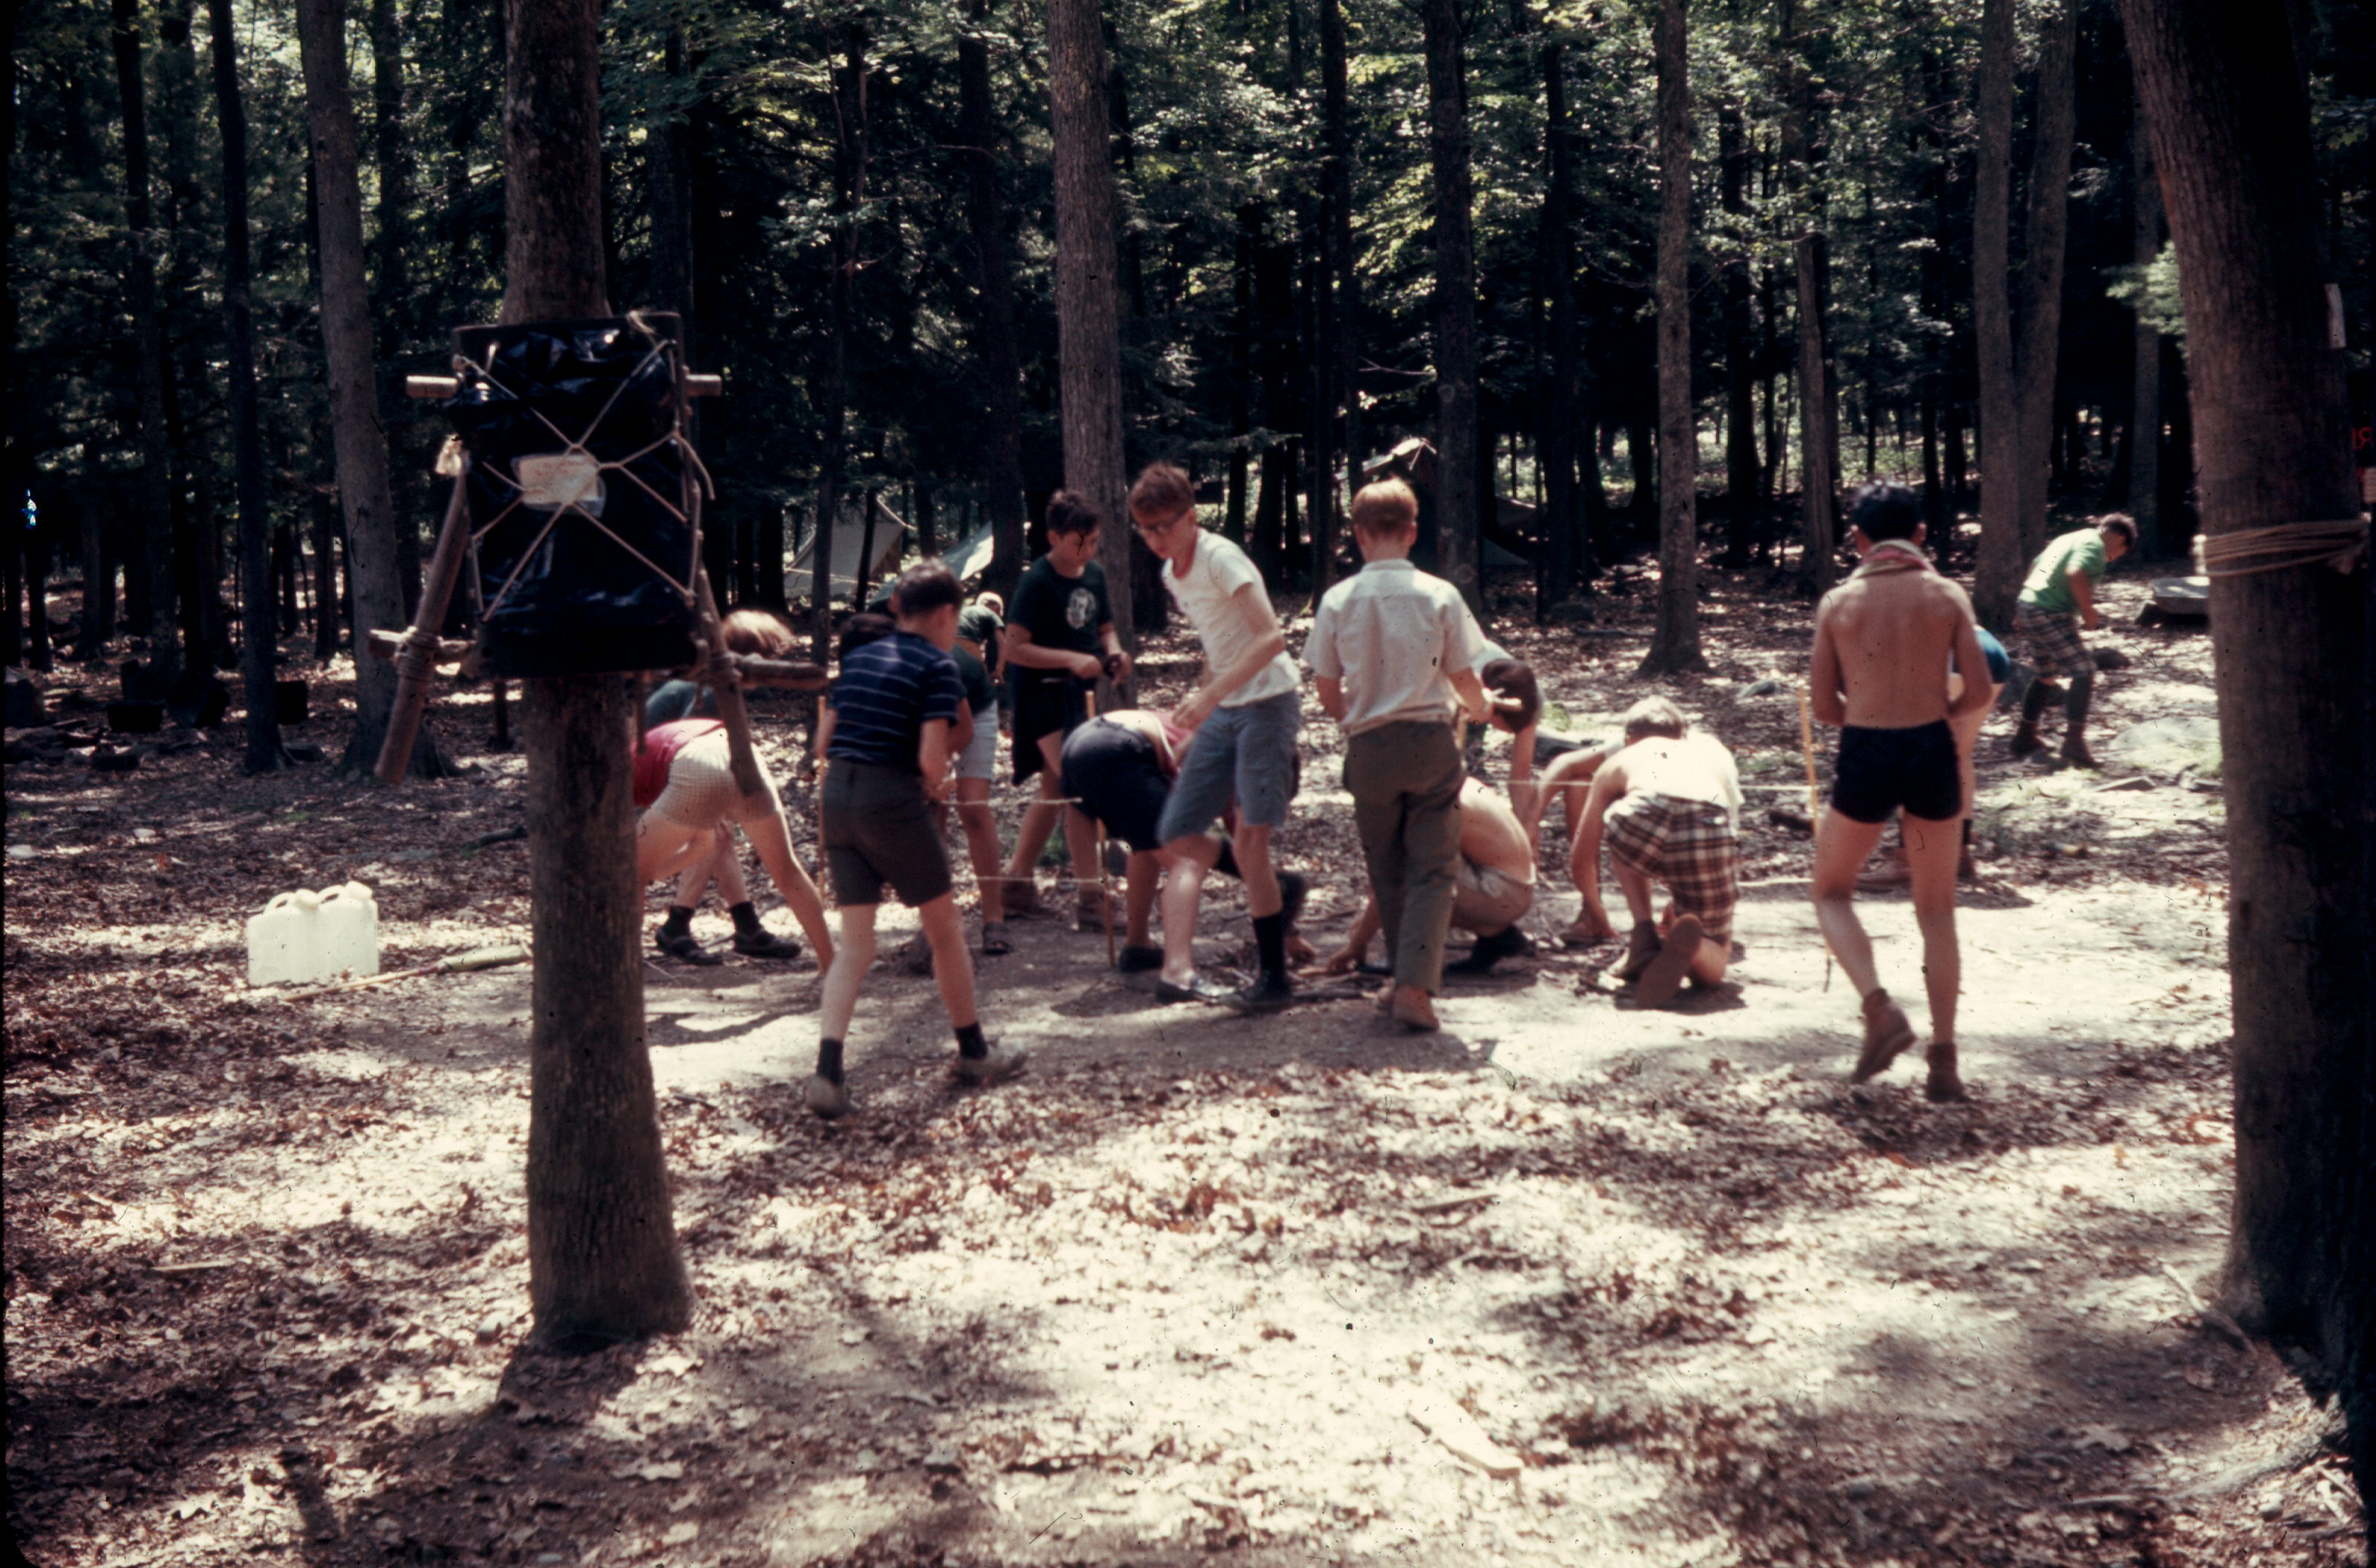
(849, 545)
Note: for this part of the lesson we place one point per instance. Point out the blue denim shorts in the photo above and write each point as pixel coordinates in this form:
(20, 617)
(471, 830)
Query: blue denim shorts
(1247, 754)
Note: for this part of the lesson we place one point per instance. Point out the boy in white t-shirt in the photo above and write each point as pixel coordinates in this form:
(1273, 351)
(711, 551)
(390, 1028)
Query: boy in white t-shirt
(1247, 714)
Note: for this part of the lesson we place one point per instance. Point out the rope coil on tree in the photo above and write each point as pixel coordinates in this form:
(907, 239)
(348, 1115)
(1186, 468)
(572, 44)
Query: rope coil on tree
(2339, 543)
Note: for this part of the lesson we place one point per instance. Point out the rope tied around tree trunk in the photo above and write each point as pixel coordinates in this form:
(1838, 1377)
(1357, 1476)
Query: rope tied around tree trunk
(2339, 543)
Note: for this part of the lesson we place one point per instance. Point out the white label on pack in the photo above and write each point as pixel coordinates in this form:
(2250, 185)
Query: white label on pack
(561, 479)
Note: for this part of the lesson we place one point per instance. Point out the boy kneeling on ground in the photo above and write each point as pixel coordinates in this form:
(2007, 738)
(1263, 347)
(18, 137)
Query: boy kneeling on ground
(1667, 805)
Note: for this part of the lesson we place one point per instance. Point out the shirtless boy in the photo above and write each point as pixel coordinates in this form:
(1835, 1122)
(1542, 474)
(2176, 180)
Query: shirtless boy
(1494, 887)
(1882, 643)
(1668, 804)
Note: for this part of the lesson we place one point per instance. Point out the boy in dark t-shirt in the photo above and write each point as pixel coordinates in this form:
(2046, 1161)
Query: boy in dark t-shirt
(894, 712)
(1059, 637)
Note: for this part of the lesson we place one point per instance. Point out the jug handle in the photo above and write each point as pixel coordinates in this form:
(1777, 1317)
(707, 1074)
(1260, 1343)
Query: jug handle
(278, 900)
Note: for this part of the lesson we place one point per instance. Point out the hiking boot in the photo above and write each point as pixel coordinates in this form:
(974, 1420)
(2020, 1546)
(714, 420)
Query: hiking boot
(1138, 960)
(1412, 1010)
(765, 945)
(995, 1068)
(825, 1097)
(1671, 966)
(1641, 947)
(2075, 753)
(994, 939)
(1942, 1083)
(1886, 1032)
(1270, 992)
(2024, 742)
(1020, 899)
(687, 947)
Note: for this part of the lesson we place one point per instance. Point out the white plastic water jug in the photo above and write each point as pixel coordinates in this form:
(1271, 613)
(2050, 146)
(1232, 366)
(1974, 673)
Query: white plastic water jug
(346, 932)
(284, 944)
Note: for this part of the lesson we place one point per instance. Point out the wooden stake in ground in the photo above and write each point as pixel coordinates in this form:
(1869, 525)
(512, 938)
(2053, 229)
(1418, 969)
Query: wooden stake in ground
(603, 1261)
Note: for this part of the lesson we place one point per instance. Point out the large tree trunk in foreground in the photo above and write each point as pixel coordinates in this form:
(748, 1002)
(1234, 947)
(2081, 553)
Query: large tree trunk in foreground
(2000, 557)
(356, 434)
(849, 191)
(1676, 644)
(1343, 261)
(2230, 124)
(994, 351)
(1458, 497)
(259, 629)
(1087, 323)
(154, 570)
(603, 1262)
(2037, 343)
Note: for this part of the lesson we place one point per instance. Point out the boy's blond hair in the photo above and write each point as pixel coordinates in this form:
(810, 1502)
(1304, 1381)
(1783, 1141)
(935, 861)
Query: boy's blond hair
(1385, 508)
(1654, 716)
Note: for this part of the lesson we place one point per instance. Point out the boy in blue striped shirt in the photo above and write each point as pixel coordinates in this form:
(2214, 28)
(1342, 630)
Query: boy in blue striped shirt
(895, 716)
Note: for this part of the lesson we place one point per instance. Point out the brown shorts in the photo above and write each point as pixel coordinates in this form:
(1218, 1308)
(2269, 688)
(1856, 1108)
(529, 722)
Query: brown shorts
(878, 828)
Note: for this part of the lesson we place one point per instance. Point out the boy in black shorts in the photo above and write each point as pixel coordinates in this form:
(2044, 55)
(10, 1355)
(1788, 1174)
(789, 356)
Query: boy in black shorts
(1059, 639)
(1883, 640)
(894, 711)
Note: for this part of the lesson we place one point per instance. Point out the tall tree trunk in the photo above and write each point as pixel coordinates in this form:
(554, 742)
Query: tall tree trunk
(994, 351)
(327, 594)
(259, 632)
(13, 459)
(97, 580)
(154, 571)
(849, 190)
(2038, 330)
(392, 287)
(197, 545)
(1089, 330)
(1744, 511)
(603, 1262)
(1241, 376)
(1676, 643)
(1555, 544)
(2296, 660)
(1457, 501)
(1336, 184)
(1818, 486)
(360, 443)
(2002, 555)
(2144, 404)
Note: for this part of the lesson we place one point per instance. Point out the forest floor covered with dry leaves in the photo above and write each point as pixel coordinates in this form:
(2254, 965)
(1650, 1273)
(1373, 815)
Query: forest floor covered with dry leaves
(1569, 1283)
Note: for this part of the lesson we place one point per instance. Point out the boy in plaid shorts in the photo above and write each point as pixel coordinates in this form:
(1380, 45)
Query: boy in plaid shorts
(1666, 805)
(2057, 598)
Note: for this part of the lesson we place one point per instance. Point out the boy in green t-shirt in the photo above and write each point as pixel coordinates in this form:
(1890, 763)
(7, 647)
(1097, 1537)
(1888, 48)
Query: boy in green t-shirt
(2056, 601)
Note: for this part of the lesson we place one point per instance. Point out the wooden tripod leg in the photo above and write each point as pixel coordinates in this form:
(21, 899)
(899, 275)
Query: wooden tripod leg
(727, 686)
(1105, 894)
(416, 671)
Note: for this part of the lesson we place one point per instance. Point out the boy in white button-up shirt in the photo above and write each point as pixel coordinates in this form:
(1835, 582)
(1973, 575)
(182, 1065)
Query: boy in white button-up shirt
(1395, 648)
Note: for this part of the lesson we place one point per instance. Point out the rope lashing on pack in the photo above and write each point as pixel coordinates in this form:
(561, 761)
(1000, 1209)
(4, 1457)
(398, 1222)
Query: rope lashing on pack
(586, 463)
(2338, 543)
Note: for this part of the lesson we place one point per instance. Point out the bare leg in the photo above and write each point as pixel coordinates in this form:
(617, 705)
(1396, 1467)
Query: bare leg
(1081, 842)
(773, 840)
(1185, 861)
(1842, 846)
(1930, 850)
(848, 970)
(664, 848)
(1039, 821)
(727, 867)
(1144, 872)
(980, 824)
(952, 965)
